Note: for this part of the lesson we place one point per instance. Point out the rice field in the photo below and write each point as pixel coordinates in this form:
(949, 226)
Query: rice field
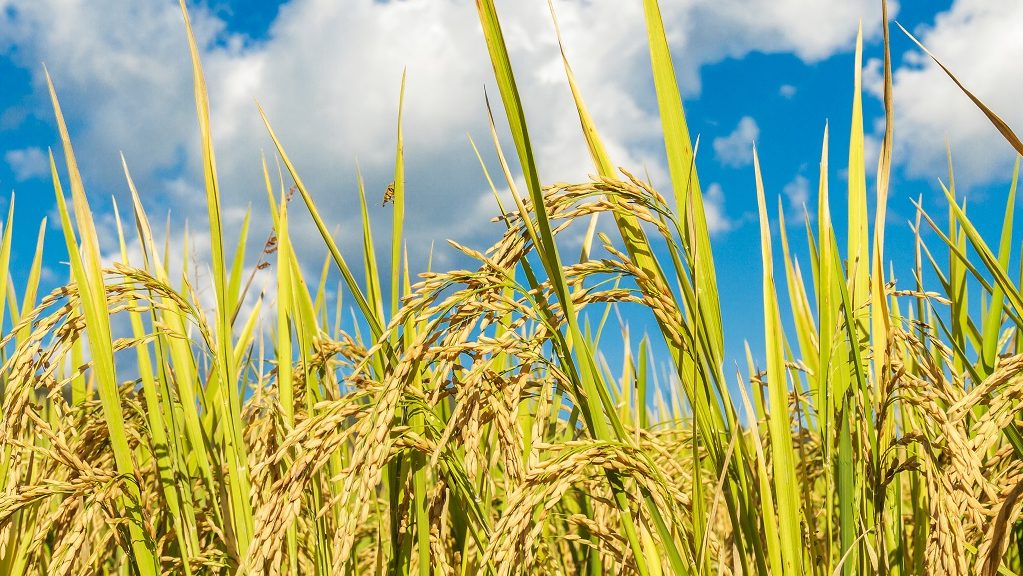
(468, 422)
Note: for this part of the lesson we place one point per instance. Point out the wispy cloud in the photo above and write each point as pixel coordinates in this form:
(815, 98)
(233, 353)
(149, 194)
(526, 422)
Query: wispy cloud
(27, 163)
(797, 191)
(714, 207)
(736, 149)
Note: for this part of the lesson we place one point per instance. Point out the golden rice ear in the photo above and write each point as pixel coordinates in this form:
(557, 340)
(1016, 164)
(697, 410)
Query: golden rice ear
(491, 419)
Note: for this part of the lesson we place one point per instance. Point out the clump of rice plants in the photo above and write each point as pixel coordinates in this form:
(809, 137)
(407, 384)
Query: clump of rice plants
(466, 423)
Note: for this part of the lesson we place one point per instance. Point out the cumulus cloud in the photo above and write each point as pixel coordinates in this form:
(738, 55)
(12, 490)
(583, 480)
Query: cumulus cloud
(328, 73)
(797, 191)
(787, 91)
(27, 163)
(736, 149)
(812, 30)
(800, 199)
(714, 207)
(980, 41)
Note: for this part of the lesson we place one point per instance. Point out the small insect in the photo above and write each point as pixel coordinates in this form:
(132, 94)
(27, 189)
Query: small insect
(388, 194)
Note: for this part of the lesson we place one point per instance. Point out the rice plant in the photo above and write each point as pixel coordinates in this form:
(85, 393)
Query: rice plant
(468, 421)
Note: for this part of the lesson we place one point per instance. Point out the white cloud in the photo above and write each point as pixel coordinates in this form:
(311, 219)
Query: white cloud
(328, 73)
(736, 149)
(980, 41)
(787, 91)
(27, 163)
(873, 77)
(714, 208)
(813, 30)
(797, 192)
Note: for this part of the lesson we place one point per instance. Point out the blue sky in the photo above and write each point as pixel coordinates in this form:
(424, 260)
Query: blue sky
(328, 72)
